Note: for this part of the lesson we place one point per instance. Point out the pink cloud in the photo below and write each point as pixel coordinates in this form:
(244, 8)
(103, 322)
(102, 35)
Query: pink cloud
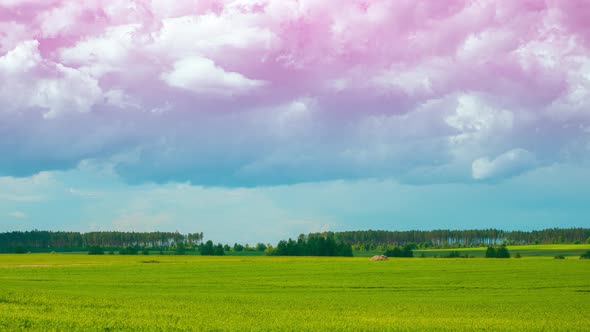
(357, 60)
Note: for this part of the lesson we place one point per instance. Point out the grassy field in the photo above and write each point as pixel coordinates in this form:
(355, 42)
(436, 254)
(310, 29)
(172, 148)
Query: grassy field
(181, 293)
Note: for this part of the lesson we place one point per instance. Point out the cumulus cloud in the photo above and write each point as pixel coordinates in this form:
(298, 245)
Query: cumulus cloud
(509, 163)
(249, 93)
(202, 76)
(102, 54)
(29, 82)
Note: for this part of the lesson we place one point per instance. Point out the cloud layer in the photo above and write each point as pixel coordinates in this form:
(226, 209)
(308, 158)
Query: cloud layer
(269, 92)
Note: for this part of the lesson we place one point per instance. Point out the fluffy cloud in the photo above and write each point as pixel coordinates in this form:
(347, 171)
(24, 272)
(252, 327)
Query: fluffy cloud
(202, 76)
(507, 164)
(246, 93)
(29, 82)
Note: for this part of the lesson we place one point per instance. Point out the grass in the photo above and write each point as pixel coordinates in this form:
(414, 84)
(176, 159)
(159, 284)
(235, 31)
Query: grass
(181, 293)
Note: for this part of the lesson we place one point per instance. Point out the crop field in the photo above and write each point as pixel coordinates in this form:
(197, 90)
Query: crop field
(58, 292)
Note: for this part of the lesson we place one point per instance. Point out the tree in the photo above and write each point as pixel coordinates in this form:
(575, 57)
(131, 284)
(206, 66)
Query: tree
(207, 248)
(95, 250)
(491, 252)
(260, 247)
(180, 248)
(502, 252)
(454, 254)
(585, 255)
(405, 251)
(129, 251)
(218, 250)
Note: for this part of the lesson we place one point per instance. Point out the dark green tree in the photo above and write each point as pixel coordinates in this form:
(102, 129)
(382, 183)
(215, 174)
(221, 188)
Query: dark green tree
(180, 248)
(218, 250)
(95, 250)
(491, 252)
(207, 248)
(502, 252)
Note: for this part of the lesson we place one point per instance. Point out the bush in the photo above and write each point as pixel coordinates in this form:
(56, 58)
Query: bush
(95, 250)
(517, 255)
(491, 252)
(500, 252)
(585, 255)
(406, 251)
(454, 254)
(20, 249)
(129, 251)
(559, 257)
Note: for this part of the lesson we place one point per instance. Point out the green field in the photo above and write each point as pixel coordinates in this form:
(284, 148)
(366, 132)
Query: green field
(181, 293)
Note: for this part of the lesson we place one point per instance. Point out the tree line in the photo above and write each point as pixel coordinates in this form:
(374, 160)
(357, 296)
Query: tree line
(443, 238)
(56, 240)
(311, 245)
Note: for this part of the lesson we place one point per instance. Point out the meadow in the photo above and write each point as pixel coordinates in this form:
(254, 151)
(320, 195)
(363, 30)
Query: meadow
(67, 292)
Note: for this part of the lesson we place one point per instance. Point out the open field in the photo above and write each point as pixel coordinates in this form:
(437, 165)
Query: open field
(178, 293)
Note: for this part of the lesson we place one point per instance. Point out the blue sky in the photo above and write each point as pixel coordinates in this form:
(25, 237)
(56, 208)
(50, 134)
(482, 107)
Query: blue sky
(95, 198)
(256, 120)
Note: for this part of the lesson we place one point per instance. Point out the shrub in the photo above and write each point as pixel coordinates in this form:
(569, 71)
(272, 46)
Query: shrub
(491, 252)
(500, 252)
(129, 251)
(454, 254)
(585, 255)
(559, 257)
(95, 250)
(517, 255)
(406, 251)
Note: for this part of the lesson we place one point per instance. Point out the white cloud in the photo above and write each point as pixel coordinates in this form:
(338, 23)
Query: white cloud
(74, 91)
(419, 80)
(15, 3)
(12, 34)
(474, 115)
(508, 164)
(210, 33)
(102, 54)
(202, 76)
(29, 81)
(18, 215)
(60, 20)
(24, 57)
(120, 99)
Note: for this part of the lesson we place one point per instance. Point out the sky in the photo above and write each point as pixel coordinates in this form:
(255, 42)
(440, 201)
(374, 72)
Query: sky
(257, 120)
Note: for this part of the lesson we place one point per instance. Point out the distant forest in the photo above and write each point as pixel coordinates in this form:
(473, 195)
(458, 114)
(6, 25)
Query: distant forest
(11, 241)
(332, 243)
(444, 238)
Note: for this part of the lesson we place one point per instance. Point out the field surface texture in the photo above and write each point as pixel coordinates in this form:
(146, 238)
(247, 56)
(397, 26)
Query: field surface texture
(183, 293)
